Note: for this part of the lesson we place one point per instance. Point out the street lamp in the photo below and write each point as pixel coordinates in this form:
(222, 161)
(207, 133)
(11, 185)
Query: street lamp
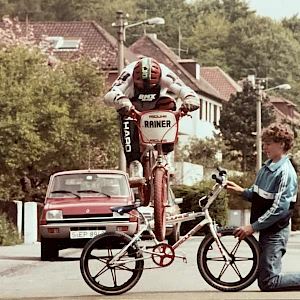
(258, 122)
(122, 26)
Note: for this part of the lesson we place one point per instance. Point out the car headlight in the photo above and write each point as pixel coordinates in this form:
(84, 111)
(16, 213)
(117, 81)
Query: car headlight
(54, 214)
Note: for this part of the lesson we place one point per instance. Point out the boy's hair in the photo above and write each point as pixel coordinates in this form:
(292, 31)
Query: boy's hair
(279, 133)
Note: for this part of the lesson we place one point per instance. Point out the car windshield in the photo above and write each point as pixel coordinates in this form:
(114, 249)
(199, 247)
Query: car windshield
(89, 185)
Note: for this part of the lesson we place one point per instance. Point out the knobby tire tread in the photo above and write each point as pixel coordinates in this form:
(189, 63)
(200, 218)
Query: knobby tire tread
(159, 201)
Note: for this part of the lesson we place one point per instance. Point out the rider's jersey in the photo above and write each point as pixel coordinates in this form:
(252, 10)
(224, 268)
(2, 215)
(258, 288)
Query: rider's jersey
(147, 99)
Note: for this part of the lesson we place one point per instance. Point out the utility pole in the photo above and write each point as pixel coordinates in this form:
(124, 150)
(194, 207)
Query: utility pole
(120, 25)
(179, 50)
(252, 79)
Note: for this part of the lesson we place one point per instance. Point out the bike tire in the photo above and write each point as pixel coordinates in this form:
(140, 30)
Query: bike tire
(228, 278)
(160, 196)
(97, 272)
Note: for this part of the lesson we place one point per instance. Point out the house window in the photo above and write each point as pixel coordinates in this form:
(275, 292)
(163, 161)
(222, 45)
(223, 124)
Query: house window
(64, 43)
(207, 111)
(216, 114)
(201, 109)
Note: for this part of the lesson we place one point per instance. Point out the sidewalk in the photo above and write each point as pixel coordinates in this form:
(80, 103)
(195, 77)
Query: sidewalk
(15, 258)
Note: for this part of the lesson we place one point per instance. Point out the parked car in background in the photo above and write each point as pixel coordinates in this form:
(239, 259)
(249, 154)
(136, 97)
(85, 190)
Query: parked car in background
(77, 207)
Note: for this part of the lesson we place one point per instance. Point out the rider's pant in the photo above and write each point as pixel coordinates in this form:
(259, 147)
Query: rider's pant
(272, 249)
(131, 141)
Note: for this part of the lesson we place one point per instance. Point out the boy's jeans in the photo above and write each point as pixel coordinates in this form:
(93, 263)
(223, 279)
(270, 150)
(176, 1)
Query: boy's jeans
(272, 249)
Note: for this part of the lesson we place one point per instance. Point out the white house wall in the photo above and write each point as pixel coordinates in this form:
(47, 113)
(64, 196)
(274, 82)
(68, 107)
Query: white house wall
(201, 125)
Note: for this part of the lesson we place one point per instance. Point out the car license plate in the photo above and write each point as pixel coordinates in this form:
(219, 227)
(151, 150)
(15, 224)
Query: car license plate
(85, 234)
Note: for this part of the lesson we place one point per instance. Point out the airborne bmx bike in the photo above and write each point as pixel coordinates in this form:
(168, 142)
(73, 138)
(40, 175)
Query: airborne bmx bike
(113, 262)
(156, 128)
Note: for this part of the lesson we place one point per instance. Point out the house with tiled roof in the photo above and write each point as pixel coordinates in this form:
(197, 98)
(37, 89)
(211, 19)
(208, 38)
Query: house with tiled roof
(68, 38)
(224, 84)
(284, 109)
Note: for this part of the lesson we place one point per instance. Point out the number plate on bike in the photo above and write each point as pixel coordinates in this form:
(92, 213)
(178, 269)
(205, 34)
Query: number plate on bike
(158, 127)
(84, 234)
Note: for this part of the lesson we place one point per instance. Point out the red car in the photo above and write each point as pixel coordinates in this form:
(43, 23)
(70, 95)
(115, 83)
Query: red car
(77, 207)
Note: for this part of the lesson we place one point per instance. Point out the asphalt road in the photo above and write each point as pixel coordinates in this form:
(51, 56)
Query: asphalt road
(24, 276)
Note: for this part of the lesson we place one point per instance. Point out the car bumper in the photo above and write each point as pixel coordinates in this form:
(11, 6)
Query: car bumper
(63, 231)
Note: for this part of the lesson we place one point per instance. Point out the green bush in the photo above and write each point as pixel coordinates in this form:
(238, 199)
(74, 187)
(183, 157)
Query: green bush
(191, 195)
(8, 233)
(235, 201)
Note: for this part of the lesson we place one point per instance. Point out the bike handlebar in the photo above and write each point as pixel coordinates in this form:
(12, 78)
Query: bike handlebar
(134, 113)
(221, 177)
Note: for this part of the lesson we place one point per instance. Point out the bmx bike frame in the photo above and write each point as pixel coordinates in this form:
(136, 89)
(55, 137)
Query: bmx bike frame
(156, 128)
(204, 204)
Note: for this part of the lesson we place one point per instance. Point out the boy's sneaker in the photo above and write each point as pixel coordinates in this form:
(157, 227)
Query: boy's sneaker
(136, 173)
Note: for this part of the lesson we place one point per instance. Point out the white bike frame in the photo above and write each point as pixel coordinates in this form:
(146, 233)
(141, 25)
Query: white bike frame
(148, 225)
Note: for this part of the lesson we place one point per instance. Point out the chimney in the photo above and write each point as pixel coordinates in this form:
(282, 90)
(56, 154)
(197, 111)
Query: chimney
(191, 66)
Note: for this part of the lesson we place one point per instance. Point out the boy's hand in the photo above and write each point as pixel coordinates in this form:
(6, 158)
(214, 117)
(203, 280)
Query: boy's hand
(243, 231)
(232, 186)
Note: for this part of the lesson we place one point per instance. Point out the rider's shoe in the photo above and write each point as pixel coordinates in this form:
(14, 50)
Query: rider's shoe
(136, 173)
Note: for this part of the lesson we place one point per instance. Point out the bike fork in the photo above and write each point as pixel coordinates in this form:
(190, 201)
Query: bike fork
(213, 228)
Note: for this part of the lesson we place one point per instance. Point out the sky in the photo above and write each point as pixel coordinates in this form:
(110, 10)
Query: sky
(275, 9)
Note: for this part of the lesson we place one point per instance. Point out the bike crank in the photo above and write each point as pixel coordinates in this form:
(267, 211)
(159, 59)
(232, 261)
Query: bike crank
(163, 255)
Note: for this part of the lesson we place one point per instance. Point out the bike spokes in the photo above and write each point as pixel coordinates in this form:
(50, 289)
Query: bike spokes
(106, 277)
(235, 274)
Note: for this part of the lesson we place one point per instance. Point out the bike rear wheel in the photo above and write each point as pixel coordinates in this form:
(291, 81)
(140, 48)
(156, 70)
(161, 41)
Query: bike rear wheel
(106, 279)
(242, 270)
(160, 197)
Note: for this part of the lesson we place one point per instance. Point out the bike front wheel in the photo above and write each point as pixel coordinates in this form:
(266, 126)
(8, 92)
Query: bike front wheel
(240, 273)
(111, 279)
(160, 197)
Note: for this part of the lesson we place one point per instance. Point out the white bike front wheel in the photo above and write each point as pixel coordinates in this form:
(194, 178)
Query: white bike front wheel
(240, 273)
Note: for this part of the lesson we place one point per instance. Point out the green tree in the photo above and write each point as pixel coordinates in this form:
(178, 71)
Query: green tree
(232, 10)
(237, 123)
(264, 45)
(206, 43)
(293, 24)
(203, 152)
(51, 119)
(191, 196)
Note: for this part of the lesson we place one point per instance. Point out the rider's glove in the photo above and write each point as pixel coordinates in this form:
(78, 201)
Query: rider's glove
(190, 103)
(123, 106)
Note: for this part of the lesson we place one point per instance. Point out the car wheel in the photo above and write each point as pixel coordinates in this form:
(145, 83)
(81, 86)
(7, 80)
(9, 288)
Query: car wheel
(49, 249)
(174, 236)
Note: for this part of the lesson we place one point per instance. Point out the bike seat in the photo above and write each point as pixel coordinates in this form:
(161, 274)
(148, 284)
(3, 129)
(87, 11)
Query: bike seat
(124, 209)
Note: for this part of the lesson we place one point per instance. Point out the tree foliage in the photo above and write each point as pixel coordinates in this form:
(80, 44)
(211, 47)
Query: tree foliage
(238, 123)
(191, 195)
(51, 119)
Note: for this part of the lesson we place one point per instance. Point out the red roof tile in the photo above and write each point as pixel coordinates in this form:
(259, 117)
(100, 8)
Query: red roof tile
(152, 47)
(95, 40)
(221, 81)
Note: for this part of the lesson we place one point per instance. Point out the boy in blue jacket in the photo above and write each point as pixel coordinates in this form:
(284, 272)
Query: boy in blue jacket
(273, 198)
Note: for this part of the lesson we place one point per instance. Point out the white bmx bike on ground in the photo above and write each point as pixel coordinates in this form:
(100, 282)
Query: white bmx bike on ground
(113, 262)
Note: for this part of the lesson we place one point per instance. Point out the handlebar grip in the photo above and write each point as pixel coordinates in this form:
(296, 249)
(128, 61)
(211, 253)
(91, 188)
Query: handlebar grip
(219, 179)
(221, 171)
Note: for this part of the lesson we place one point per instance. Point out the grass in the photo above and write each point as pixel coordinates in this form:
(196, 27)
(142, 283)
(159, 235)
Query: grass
(8, 232)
